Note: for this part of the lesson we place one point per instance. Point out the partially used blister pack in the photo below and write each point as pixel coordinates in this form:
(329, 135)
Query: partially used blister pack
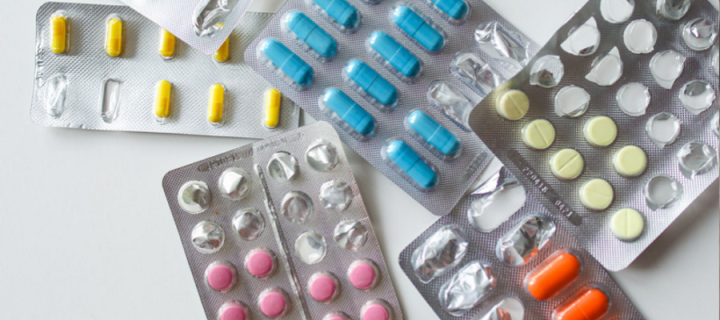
(378, 71)
(278, 229)
(501, 255)
(615, 121)
(103, 67)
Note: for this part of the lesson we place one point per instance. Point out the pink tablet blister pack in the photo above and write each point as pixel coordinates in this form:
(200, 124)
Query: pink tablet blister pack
(278, 230)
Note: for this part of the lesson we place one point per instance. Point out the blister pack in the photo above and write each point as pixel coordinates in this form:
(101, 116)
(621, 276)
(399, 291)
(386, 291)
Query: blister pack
(615, 121)
(501, 255)
(278, 229)
(378, 71)
(103, 67)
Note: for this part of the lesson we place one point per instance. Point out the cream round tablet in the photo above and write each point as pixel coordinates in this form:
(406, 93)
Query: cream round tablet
(597, 194)
(376, 310)
(538, 134)
(220, 276)
(363, 274)
(273, 303)
(233, 310)
(600, 131)
(260, 263)
(627, 224)
(630, 161)
(323, 287)
(513, 104)
(567, 164)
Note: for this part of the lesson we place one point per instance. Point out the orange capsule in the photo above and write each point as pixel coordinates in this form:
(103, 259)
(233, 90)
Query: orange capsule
(553, 275)
(589, 305)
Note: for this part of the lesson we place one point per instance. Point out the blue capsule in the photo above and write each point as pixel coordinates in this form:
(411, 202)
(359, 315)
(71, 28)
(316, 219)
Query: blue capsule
(433, 133)
(419, 29)
(311, 34)
(341, 11)
(455, 9)
(371, 82)
(410, 162)
(291, 64)
(349, 111)
(400, 58)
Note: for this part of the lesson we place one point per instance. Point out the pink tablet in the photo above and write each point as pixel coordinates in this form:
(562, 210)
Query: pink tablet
(375, 310)
(273, 303)
(260, 263)
(323, 287)
(363, 274)
(220, 276)
(233, 311)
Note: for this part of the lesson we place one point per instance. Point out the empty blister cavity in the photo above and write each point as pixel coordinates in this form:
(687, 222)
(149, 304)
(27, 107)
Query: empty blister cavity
(617, 11)
(402, 158)
(350, 235)
(492, 209)
(583, 40)
(508, 308)
(571, 102)
(451, 101)
(475, 72)
(547, 72)
(640, 36)
(607, 69)
(454, 11)
(663, 129)
(283, 167)
(441, 251)
(524, 242)
(672, 9)
(466, 288)
(296, 207)
(194, 197)
(341, 14)
(696, 158)
(666, 67)
(661, 191)
(419, 28)
(248, 223)
(715, 124)
(286, 64)
(633, 99)
(348, 114)
(310, 248)
(436, 138)
(235, 183)
(110, 103)
(697, 96)
(369, 84)
(699, 34)
(55, 95)
(336, 195)
(322, 156)
(394, 56)
(553, 275)
(501, 44)
(207, 237)
(209, 16)
(715, 59)
(308, 35)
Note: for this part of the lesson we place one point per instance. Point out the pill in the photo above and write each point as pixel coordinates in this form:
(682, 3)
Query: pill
(273, 303)
(596, 194)
(260, 263)
(600, 131)
(288, 62)
(375, 310)
(419, 29)
(553, 275)
(538, 134)
(273, 101)
(512, 104)
(630, 161)
(341, 11)
(589, 305)
(433, 133)
(114, 40)
(323, 287)
(167, 44)
(394, 53)
(363, 274)
(371, 82)
(163, 96)
(627, 224)
(409, 161)
(455, 9)
(223, 53)
(567, 164)
(220, 276)
(349, 111)
(58, 33)
(311, 34)
(233, 310)
(216, 105)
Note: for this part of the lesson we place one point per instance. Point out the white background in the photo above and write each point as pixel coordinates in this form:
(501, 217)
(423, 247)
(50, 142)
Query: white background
(86, 232)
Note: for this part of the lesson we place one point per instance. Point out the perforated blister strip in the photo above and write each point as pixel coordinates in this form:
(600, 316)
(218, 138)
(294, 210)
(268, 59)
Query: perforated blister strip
(86, 66)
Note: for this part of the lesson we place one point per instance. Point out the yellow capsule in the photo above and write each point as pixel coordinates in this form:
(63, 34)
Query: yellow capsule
(163, 100)
(114, 41)
(272, 108)
(216, 105)
(58, 33)
(223, 53)
(167, 44)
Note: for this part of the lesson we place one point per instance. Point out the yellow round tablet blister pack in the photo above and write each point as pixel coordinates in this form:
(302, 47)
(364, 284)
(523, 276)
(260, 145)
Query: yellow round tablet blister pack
(567, 164)
(600, 131)
(513, 105)
(538, 134)
(627, 224)
(597, 194)
(630, 161)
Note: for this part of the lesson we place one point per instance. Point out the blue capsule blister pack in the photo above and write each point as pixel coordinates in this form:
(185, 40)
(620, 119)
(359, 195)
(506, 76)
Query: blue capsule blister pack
(379, 72)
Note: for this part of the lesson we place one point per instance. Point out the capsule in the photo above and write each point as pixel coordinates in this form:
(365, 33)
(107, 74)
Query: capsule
(216, 105)
(349, 111)
(272, 108)
(433, 133)
(167, 44)
(419, 29)
(400, 58)
(58, 33)
(589, 305)
(288, 62)
(223, 53)
(311, 34)
(341, 11)
(411, 164)
(114, 41)
(455, 9)
(553, 275)
(163, 100)
(371, 82)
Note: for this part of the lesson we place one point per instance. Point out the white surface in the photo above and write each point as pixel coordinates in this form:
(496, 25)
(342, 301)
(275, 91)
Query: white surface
(87, 233)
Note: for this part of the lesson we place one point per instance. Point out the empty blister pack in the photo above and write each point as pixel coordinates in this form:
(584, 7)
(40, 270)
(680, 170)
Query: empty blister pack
(104, 67)
(620, 128)
(278, 229)
(378, 71)
(501, 255)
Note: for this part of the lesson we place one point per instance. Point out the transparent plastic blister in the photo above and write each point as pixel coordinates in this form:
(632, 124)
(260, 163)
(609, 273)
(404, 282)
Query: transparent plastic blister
(278, 229)
(638, 112)
(526, 267)
(379, 89)
(101, 67)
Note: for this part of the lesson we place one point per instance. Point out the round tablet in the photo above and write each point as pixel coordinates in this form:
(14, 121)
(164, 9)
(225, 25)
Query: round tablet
(567, 164)
(600, 131)
(233, 310)
(513, 104)
(323, 287)
(596, 194)
(630, 161)
(363, 274)
(627, 224)
(220, 276)
(538, 134)
(260, 263)
(375, 310)
(273, 303)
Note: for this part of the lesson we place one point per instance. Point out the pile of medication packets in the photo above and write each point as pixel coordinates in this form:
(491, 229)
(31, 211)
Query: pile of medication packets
(104, 67)
(378, 71)
(278, 229)
(615, 121)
